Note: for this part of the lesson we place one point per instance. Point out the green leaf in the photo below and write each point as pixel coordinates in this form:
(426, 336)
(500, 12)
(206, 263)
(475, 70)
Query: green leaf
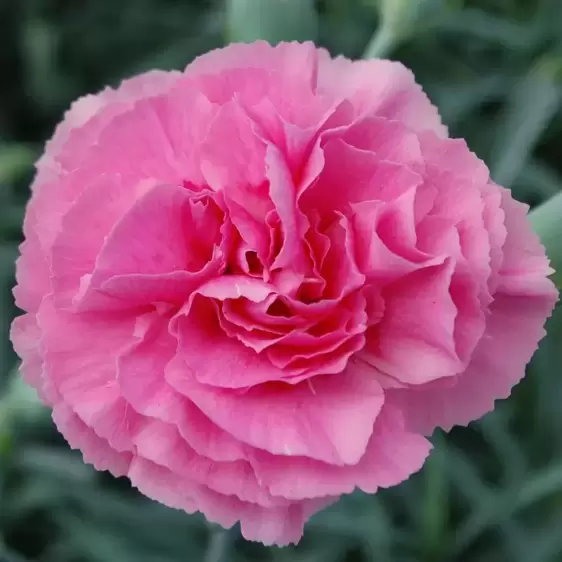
(487, 27)
(434, 508)
(533, 103)
(398, 22)
(538, 178)
(503, 505)
(271, 20)
(547, 223)
(15, 160)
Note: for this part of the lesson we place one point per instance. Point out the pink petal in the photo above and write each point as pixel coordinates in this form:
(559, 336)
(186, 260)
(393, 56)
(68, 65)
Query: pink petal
(392, 455)
(142, 382)
(32, 268)
(386, 239)
(86, 108)
(351, 175)
(94, 449)
(73, 256)
(339, 267)
(414, 342)
(26, 338)
(162, 444)
(161, 484)
(389, 140)
(380, 88)
(80, 356)
(293, 223)
(513, 330)
(525, 267)
(292, 60)
(280, 525)
(494, 222)
(207, 355)
(151, 243)
(267, 418)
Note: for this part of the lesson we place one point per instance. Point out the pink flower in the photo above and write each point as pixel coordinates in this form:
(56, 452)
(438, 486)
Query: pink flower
(256, 285)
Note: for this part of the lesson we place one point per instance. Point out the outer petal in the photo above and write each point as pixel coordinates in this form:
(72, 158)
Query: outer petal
(26, 337)
(32, 268)
(524, 299)
(392, 455)
(380, 88)
(280, 525)
(292, 60)
(514, 328)
(80, 355)
(95, 450)
(84, 109)
(162, 444)
(525, 267)
(72, 142)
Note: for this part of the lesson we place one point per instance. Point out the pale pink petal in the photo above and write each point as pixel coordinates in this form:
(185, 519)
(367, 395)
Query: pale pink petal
(278, 525)
(380, 88)
(292, 60)
(25, 335)
(80, 359)
(84, 109)
(525, 268)
(32, 268)
(94, 449)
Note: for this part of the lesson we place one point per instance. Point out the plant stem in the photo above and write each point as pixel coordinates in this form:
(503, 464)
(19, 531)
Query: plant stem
(547, 223)
(381, 44)
(218, 546)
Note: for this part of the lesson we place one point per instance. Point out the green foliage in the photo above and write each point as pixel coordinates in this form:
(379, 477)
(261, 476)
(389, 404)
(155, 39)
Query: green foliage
(491, 492)
(273, 20)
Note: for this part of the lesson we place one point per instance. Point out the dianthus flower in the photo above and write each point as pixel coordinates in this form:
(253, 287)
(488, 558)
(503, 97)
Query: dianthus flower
(257, 284)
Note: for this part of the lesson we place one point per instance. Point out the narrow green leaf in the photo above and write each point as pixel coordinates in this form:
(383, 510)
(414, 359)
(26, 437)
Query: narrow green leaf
(539, 178)
(434, 509)
(533, 103)
(547, 223)
(487, 27)
(503, 505)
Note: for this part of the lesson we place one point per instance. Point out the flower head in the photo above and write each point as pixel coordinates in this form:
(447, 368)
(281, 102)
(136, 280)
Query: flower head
(256, 285)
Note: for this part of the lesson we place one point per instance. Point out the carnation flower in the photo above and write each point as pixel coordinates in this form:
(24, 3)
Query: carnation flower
(257, 285)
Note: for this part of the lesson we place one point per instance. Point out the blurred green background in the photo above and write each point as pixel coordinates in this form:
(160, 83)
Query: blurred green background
(490, 492)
